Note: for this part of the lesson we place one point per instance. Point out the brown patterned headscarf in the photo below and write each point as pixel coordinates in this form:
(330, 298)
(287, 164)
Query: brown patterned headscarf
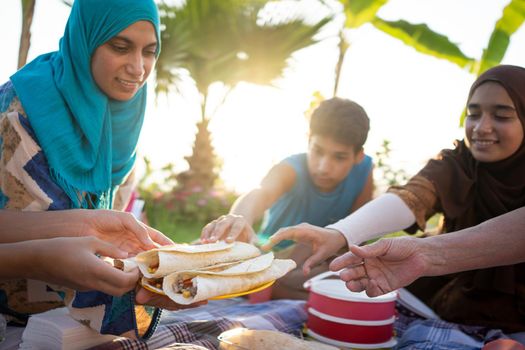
(470, 191)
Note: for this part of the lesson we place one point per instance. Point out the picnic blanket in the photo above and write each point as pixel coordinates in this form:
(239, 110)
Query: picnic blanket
(202, 325)
(417, 333)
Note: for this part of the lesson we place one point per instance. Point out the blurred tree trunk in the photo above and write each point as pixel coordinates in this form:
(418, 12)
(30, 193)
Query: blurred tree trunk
(28, 9)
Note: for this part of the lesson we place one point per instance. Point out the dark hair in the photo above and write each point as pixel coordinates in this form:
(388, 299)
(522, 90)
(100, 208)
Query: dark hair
(342, 120)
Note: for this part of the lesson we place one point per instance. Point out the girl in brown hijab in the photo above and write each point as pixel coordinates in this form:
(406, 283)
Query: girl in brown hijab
(481, 178)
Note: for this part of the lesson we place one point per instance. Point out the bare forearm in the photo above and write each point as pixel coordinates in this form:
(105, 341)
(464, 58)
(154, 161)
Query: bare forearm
(14, 260)
(251, 206)
(16, 226)
(499, 241)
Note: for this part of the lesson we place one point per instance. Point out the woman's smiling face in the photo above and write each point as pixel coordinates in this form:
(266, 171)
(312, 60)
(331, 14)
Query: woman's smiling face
(493, 129)
(121, 65)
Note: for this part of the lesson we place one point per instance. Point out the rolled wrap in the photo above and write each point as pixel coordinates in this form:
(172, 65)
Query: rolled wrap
(239, 278)
(180, 257)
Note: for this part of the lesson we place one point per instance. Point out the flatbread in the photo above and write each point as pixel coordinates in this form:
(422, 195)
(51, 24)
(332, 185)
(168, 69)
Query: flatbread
(266, 339)
(162, 261)
(240, 277)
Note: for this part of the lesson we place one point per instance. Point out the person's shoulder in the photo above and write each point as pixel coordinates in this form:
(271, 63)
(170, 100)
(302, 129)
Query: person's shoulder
(7, 96)
(296, 161)
(366, 163)
(297, 158)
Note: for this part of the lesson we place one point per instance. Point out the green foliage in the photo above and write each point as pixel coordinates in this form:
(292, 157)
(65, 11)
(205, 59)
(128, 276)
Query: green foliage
(511, 20)
(390, 176)
(228, 41)
(166, 211)
(359, 12)
(180, 211)
(424, 40)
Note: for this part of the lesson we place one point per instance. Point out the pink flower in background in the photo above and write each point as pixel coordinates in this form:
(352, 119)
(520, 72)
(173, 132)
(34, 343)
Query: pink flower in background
(196, 189)
(202, 202)
(214, 194)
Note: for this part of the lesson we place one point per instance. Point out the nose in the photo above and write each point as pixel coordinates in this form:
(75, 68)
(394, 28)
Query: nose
(135, 66)
(324, 165)
(484, 124)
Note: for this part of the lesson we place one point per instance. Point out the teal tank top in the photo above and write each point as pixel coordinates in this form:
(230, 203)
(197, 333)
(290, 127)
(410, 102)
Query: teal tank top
(305, 203)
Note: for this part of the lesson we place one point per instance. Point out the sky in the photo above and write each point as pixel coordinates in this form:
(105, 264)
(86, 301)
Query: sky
(413, 100)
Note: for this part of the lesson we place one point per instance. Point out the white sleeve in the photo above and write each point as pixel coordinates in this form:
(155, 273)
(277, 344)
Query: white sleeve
(385, 214)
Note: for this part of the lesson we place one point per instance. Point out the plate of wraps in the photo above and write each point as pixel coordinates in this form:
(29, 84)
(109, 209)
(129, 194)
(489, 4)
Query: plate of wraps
(191, 273)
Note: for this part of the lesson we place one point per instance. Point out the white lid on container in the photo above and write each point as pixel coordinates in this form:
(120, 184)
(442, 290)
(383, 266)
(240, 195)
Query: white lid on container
(340, 320)
(336, 288)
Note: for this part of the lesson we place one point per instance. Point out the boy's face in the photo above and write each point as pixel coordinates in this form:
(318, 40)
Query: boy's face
(493, 128)
(329, 162)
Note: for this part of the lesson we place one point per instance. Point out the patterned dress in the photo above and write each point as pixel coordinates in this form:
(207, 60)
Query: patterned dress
(25, 184)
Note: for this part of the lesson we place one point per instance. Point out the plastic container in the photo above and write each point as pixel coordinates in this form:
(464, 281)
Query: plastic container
(331, 297)
(350, 331)
(343, 318)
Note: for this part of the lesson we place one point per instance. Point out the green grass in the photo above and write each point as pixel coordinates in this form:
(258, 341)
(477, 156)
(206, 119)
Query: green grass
(181, 232)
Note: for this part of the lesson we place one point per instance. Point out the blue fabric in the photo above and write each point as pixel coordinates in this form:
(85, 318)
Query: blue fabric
(416, 333)
(88, 139)
(305, 203)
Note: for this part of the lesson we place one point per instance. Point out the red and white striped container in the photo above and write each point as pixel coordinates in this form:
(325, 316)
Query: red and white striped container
(341, 317)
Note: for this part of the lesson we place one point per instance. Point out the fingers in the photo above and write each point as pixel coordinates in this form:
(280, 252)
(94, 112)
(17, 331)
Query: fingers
(158, 237)
(373, 250)
(216, 229)
(354, 272)
(345, 260)
(370, 286)
(316, 258)
(139, 229)
(107, 249)
(109, 279)
(236, 229)
(207, 232)
(118, 283)
(229, 228)
(287, 233)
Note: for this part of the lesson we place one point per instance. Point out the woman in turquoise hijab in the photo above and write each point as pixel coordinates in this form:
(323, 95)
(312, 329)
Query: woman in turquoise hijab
(69, 125)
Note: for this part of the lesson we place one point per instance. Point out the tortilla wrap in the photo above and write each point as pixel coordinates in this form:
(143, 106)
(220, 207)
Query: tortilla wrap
(162, 261)
(244, 338)
(240, 277)
(155, 284)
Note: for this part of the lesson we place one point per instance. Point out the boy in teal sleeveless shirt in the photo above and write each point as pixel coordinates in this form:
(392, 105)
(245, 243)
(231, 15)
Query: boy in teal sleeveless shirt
(319, 187)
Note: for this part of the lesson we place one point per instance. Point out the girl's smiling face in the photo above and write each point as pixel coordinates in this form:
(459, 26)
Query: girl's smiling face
(121, 65)
(493, 129)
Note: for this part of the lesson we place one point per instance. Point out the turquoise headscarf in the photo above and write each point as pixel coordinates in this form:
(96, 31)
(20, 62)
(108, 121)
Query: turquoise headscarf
(88, 139)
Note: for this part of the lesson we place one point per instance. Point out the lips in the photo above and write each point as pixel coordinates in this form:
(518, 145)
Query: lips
(129, 84)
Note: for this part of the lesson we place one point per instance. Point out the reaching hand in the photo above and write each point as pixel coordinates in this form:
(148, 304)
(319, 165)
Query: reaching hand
(381, 267)
(71, 262)
(146, 297)
(229, 228)
(325, 242)
(120, 229)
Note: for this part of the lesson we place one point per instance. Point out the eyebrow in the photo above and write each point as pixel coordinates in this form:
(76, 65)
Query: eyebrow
(504, 107)
(130, 42)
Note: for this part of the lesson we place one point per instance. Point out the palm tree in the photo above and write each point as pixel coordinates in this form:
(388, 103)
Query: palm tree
(226, 42)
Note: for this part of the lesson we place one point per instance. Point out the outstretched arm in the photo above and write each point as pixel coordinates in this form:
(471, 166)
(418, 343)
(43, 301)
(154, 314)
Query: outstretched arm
(385, 214)
(249, 208)
(70, 262)
(396, 262)
(119, 228)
